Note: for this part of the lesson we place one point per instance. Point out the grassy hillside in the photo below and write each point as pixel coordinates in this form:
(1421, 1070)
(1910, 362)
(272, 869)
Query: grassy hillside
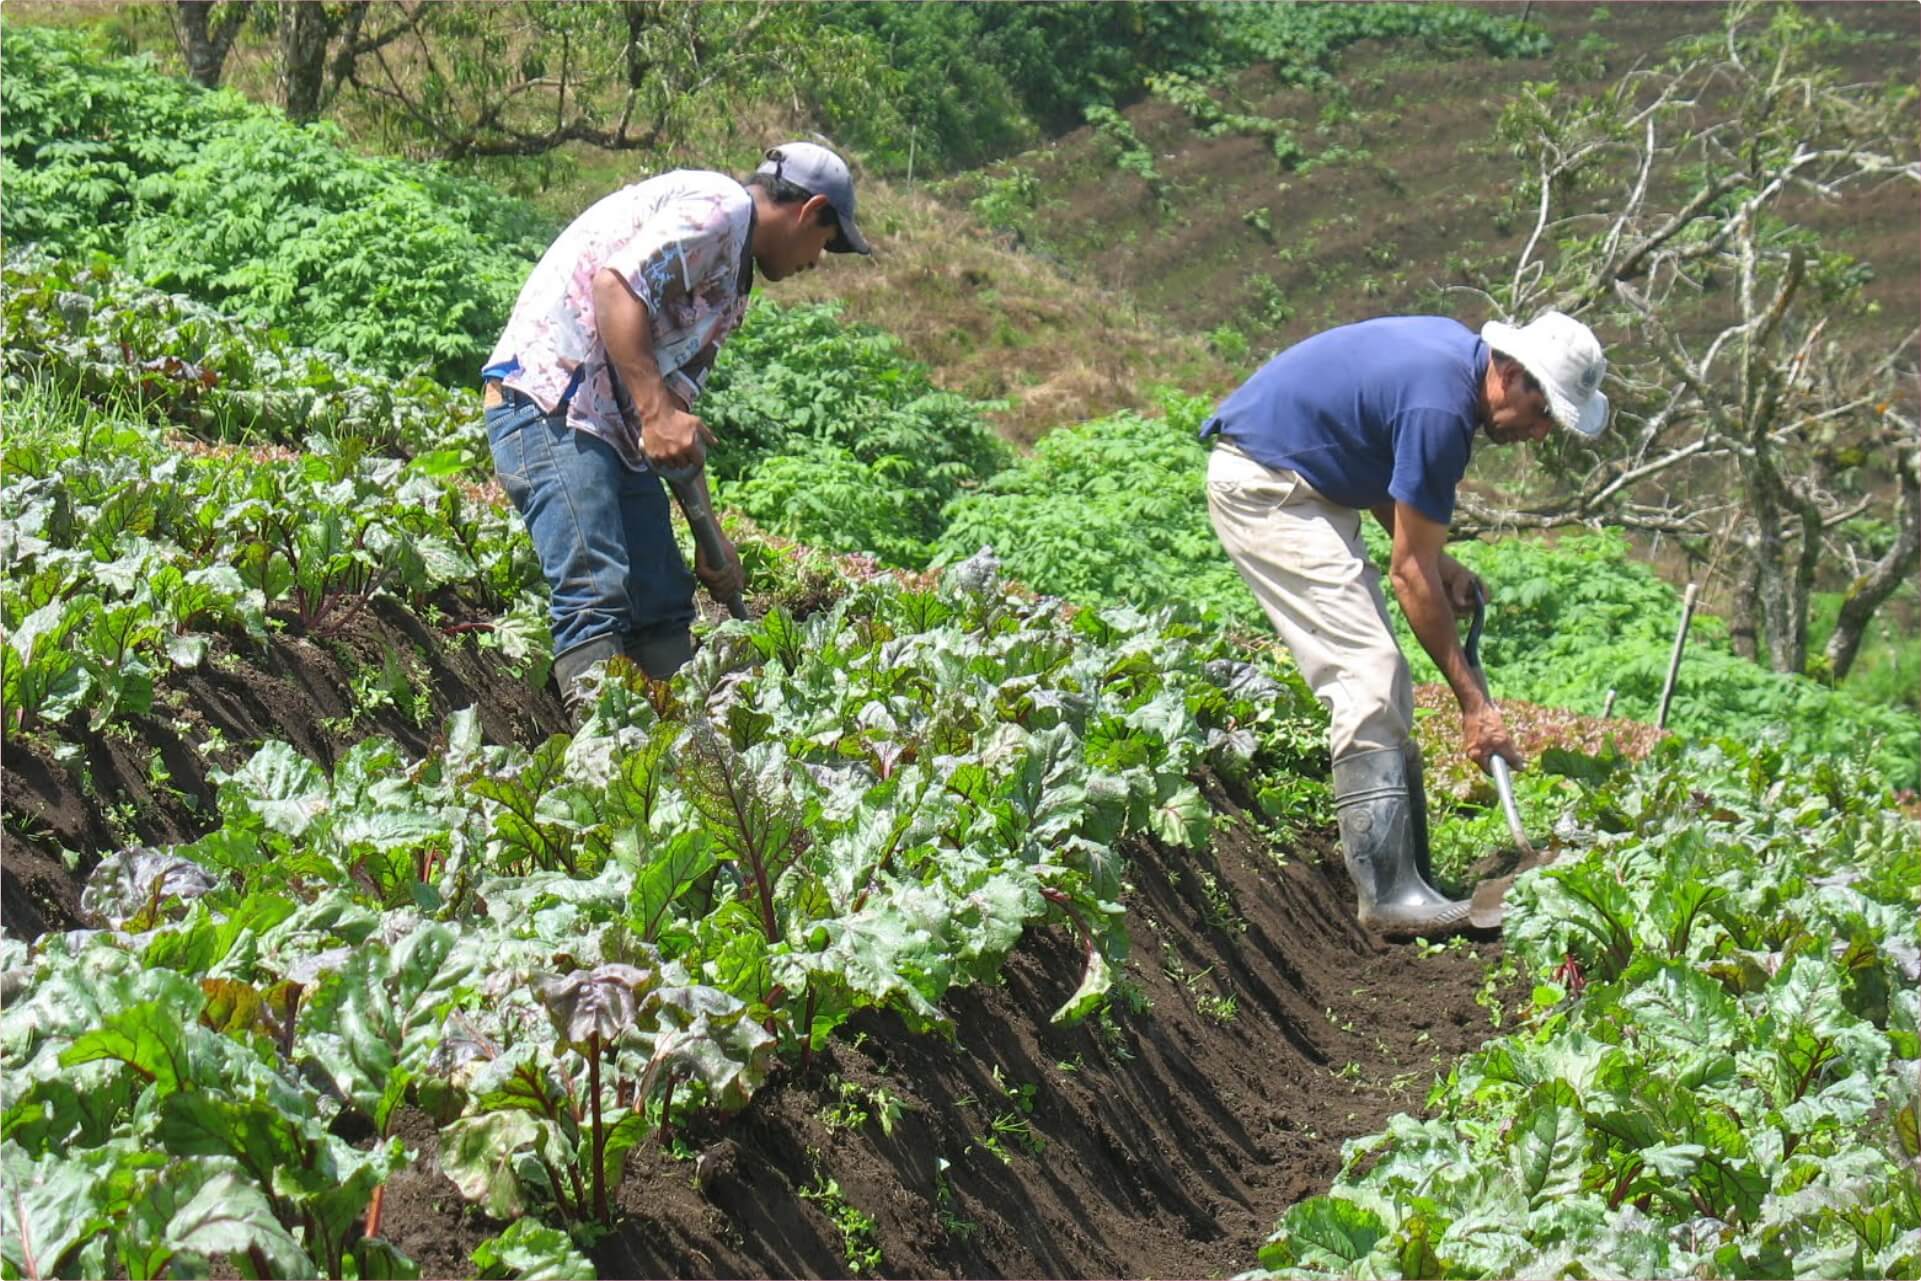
(1401, 188)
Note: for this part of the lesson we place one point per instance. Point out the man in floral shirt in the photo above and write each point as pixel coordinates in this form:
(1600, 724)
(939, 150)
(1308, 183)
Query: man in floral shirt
(591, 387)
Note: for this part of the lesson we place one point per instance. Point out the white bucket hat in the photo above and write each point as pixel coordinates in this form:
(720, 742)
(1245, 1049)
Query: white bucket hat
(1565, 358)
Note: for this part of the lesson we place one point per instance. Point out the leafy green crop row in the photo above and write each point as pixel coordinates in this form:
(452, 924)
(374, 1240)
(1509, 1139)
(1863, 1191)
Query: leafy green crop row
(554, 953)
(86, 330)
(829, 432)
(125, 554)
(1720, 1074)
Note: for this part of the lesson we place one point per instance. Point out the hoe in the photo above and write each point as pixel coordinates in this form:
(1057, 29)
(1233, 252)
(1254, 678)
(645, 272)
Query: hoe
(1490, 896)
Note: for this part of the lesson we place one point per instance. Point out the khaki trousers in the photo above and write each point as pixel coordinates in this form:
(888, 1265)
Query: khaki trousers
(1303, 558)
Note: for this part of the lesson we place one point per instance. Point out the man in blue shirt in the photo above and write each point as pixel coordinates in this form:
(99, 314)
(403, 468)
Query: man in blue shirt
(1380, 416)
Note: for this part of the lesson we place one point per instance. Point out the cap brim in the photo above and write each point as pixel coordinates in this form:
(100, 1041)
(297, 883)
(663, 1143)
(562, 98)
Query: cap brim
(850, 240)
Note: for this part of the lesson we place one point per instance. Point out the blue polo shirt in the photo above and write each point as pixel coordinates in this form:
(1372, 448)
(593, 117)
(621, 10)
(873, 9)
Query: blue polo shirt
(1367, 412)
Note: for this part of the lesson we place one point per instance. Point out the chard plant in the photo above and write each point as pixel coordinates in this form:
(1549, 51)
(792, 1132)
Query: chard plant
(555, 1122)
(1718, 1076)
(555, 953)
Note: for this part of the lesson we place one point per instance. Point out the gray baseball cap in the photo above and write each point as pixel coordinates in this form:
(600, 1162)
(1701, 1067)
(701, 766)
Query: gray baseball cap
(818, 171)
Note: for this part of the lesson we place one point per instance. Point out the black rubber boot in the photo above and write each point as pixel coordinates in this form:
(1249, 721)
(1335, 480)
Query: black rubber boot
(1380, 830)
(572, 665)
(659, 654)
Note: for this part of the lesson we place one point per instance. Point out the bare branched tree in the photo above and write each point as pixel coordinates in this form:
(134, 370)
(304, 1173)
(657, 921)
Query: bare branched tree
(1746, 427)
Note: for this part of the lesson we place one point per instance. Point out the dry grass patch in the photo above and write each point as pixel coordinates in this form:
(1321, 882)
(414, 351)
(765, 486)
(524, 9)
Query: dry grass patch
(997, 323)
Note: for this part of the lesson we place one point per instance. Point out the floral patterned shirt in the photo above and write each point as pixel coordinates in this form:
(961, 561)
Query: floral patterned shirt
(681, 242)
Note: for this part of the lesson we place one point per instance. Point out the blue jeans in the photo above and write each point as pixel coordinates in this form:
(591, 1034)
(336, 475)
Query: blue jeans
(604, 532)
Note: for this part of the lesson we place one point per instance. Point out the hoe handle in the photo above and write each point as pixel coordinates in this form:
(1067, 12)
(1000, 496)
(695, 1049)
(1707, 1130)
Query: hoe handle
(692, 497)
(1496, 765)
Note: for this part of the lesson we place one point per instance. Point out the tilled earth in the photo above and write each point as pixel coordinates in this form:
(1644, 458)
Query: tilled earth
(1162, 1141)
(1259, 1027)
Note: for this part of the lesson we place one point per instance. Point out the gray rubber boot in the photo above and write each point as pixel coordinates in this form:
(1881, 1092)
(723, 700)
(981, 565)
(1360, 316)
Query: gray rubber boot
(659, 654)
(1379, 835)
(572, 665)
(1417, 804)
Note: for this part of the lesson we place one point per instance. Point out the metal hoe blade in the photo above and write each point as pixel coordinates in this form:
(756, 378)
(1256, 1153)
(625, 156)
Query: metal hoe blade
(1489, 906)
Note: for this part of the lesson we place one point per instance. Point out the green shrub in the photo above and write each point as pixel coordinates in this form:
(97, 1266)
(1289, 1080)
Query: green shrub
(1107, 511)
(824, 495)
(795, 379)
(1573, 619)
(79, 130)
(1300, 42)
(393, 265)
(980, 81)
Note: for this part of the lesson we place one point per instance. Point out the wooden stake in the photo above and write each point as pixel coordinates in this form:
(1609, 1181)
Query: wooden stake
(1674, 663)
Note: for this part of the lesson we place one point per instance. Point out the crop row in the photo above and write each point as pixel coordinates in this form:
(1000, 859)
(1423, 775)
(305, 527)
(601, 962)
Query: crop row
(556, 952)
(1719, 1073)
(126, 553)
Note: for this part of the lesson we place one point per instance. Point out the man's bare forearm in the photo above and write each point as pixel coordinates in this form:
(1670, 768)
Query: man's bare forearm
(1424, 602)
(623, 324)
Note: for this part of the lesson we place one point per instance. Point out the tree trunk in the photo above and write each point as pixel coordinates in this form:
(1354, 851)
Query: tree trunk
(1866, 594)
(640, 15)
(1774, 569)
(1744, 605)
(1777, 604)
(205, 39)
(307, 27)
(1811, 544)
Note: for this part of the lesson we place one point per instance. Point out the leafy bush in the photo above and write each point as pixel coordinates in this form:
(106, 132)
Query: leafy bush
(1111, 510)
(81, 130)
(390, 264)
(394, 265)
(984, 80)
(861, 420)
(824, 495)
(1301, 41)
(858, 812)
(1576, 618)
